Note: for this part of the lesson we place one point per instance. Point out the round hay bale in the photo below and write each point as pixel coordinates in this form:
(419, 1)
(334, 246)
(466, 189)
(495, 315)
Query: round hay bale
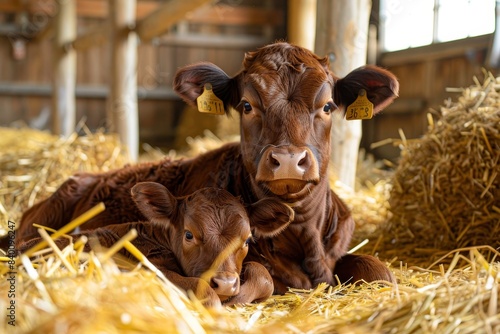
(446, 189)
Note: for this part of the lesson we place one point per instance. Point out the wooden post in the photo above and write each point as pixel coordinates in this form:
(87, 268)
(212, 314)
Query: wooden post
(122, 103)
(64, 78)
(301, 24)
(342, 29)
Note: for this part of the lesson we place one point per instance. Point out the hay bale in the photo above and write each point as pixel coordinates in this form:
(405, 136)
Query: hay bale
(446, 189)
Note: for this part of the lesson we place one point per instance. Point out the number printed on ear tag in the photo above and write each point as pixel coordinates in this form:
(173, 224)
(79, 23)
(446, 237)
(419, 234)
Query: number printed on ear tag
(361, 108)
(209, 103)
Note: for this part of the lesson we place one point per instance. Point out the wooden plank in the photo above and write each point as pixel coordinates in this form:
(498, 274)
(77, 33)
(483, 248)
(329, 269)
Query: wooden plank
(84, 91)
(230, 15)
(243, 42)
(122, 112)
(435, 51)
(64, 79)
(165, 16)
(217, 14)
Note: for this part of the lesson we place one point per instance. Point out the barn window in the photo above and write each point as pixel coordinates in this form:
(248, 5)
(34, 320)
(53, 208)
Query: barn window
(410, 23)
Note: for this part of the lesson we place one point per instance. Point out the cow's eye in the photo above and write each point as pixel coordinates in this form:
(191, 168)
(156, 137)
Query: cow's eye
(247, 107)
(188, 235)
(329, 107)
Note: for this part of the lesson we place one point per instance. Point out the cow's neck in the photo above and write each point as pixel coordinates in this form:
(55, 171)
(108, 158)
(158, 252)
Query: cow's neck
(312, 209)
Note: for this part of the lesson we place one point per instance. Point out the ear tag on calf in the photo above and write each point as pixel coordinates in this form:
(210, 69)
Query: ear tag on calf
(209, 103)
(361, 108)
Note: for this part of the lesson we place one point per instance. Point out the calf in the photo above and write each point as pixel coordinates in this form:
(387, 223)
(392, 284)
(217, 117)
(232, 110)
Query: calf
(285, 96)
(187, 237)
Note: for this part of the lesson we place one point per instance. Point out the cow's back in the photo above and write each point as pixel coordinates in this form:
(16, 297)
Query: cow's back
(217, 168)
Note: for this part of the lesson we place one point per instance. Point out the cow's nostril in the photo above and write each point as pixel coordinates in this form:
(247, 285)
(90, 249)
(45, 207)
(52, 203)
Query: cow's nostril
(302, 161)
(213, 284)
(274, 161)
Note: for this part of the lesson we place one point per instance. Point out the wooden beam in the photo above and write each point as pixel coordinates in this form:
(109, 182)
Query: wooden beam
(64, 77)
(301, 25)
(96, 36)
(165, 16)
(122, 112)
(342, 30)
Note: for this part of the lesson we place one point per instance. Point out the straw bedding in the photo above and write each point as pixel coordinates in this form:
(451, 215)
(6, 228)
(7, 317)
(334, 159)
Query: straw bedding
(70, 291)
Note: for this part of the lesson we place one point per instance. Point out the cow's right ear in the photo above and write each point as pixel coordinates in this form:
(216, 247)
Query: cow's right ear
(269, 217)
(154, 201)
(190, 80)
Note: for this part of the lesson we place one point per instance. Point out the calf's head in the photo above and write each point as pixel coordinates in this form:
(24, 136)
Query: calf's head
(286, 95)
(211, 230)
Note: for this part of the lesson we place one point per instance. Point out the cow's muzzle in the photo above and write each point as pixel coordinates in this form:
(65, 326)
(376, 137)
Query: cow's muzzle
(292, 166)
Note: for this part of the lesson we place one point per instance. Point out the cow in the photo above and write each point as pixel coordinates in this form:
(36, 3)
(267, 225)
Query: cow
(199, 241)
(285, 96)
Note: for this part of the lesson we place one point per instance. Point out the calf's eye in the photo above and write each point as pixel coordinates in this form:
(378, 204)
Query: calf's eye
(188, 235)
(247, 242)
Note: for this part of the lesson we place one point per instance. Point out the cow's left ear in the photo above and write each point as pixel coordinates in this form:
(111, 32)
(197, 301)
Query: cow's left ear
(154, 201)
(381, 86)
(269, 217)
(190, 80)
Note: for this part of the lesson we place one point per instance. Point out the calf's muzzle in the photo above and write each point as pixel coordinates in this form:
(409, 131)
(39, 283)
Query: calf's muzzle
(225, 284)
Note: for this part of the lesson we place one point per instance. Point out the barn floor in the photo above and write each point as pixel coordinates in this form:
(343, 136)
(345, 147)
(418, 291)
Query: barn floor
(444, 291)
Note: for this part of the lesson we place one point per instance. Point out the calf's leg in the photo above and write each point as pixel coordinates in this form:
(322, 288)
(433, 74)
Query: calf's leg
(257, 284)
(354, 268)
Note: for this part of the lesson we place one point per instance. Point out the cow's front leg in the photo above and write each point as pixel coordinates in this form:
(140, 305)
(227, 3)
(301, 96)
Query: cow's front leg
(257, 285)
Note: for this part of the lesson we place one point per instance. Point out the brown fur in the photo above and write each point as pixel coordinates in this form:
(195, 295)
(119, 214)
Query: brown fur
(216, 222)
(285, 96)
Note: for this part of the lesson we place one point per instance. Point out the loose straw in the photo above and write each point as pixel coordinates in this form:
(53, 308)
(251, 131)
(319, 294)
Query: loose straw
(68, 227)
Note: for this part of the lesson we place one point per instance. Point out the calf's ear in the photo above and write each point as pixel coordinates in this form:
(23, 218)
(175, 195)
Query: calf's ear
(269, 217)
(154, 201)
(381, 86)
(190, 80)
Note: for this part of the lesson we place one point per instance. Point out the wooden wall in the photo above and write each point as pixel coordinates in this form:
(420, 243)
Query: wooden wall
(424, 74)
(220, 33)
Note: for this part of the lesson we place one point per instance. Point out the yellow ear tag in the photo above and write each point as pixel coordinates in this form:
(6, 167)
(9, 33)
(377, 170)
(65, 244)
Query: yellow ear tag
(209, 103)
(361, 108)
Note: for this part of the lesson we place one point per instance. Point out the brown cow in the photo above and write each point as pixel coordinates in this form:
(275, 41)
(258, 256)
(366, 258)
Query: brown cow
(285, 96)
(185, 236)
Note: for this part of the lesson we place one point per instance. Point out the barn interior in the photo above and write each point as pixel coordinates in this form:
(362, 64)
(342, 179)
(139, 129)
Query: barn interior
(86, 85)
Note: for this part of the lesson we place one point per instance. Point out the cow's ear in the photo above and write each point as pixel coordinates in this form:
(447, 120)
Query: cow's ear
(269, 217)
(154, 201)
(190, 80)
(381, 86)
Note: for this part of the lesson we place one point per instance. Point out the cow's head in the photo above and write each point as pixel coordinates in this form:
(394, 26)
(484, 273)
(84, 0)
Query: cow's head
(286, 95)
(211, 230)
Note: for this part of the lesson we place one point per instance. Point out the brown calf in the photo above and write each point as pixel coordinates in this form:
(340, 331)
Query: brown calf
(186, 237)
(285, 96)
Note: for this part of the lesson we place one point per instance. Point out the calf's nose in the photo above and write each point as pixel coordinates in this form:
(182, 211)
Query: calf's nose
(225, 284)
